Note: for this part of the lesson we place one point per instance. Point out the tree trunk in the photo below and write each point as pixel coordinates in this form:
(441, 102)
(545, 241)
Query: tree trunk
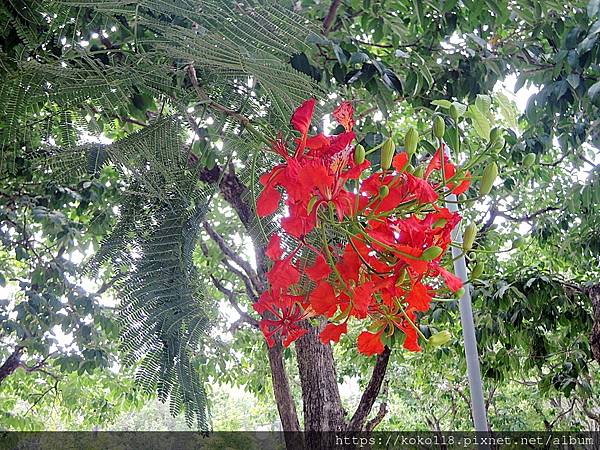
(322, 405)
(594, 293)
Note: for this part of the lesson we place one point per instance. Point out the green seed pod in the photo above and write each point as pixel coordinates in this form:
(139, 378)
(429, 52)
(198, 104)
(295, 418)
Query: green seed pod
(439, 127)
(469, 237)
(441, 338)
(410, 141)
(477, 270)
(384, 191)
(359, 154)
(387, 154)
(311, 204)
(453, 111)
(489, 176)
(529, 160)
(431, 253)
(518, 242)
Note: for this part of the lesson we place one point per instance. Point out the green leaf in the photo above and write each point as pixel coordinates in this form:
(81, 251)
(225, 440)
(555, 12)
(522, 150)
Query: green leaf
(593, 92)
(507, 109)
(442, 103)
(479, 121)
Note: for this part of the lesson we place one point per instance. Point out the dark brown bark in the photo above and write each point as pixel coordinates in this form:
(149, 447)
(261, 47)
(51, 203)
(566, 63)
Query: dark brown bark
(371, 392)
(594, 293)
(322, 405)
(12, 363)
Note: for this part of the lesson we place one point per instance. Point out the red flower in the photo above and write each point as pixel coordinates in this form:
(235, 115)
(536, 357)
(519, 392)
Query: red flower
(343, 114)
(287, 314)
(370, 343)
(333, 332)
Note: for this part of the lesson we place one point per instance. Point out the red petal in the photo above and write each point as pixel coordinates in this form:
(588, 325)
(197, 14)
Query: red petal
(419, 298)
(344, 115)
(453, 282)
(292, 335)
(303, 115)
(369, 343)
(323, 299)
(319, 270)
(267, 201)
(274, 250)
(421, 189)
(333, 332)
(282, 275)
(363, 295)
(411, 343)
(399, 161)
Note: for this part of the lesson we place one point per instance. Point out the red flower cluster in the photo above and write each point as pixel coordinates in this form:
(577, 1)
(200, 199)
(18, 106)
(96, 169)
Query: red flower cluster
(395, 229)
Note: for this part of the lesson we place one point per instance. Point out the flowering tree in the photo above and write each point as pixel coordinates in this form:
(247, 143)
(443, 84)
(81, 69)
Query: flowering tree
(312, 238)
(396, 231)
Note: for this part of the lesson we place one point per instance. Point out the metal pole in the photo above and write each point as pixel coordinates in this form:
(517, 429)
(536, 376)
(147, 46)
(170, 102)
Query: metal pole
(466, 319)
(468, 326)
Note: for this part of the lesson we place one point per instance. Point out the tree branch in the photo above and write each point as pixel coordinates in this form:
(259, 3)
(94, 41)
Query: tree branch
(245, 121)
(247, 283)
(231, 254)
(371, 424)
(330, 17)
(371, 392)
(231, 297)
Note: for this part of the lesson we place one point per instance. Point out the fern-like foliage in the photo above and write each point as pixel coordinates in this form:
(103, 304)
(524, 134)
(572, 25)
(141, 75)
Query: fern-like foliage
(54, 90)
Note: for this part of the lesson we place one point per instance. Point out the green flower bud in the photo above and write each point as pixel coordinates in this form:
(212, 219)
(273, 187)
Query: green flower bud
(454, 112)
(460, 292)
(410, 141)
(387, 154)
(469, 237)
(359, 154)
(384, 191)
(441, 338)
(489, 176)
(439, 127)
(477, 270)
(529, 160)
(431, 253)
